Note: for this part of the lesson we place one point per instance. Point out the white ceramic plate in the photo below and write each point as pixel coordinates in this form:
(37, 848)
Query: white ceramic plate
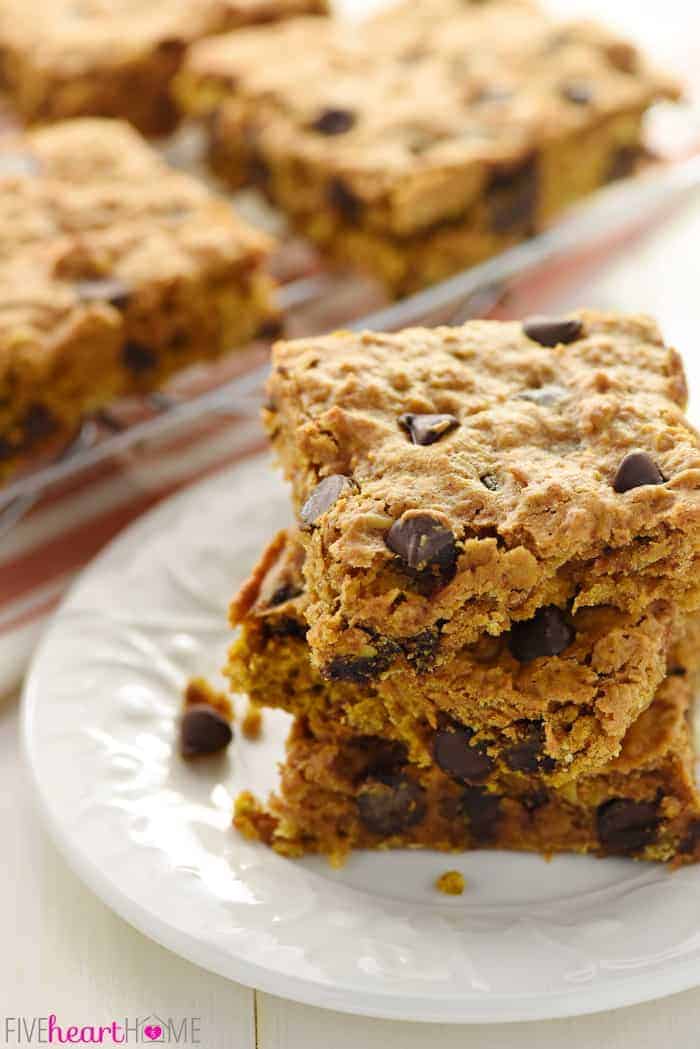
(152, 836)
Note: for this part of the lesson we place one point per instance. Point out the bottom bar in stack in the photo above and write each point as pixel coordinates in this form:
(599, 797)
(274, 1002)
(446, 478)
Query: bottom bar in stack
(363, 794)
(341, 790)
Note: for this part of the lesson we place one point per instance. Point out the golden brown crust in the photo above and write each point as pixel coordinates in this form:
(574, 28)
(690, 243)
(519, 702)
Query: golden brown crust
(114, 59)
(524, 484)
(116, 271)
(389, 147)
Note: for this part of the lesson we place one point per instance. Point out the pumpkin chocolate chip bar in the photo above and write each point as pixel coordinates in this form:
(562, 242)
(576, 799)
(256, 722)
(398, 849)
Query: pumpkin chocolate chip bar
(496, 713)
(115, 271)
(422, 141)
(114, 58)
(561, 474)
(363, 793)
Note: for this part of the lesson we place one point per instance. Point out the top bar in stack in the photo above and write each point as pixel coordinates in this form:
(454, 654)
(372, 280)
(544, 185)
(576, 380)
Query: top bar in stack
(114, 58)
(428, 138)
(457, 483)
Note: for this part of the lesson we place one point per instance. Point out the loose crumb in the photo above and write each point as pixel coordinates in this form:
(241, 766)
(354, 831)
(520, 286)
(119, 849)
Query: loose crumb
(198, 690)
(251, 726)
(451, 882)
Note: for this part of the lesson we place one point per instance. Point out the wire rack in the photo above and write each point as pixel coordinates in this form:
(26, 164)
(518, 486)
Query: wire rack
(592, 232)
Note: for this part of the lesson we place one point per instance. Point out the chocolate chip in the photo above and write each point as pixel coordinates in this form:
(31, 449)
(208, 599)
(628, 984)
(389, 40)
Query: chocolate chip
(422, 541)
(108, 290)
(490, 481)
(138, 358)
(345, 200)
(272, 328)
(552, 331)
(38, 423)
(483, 811)
(325, 494)
(283, 593)
(427, 429)
(512, 198)
(625, 825)
(454, 755)
(14, 164)
(528, 754)
(534, 800)
(546, 634)
(624, 162)
(334, 121)
(203, 730)
(421, 649)
(578, 92)
(283, 627)
(362, 669)
(258, 170)
(545, 396)
(676, 672)
(391, 804)
(636, 470)
(691, 839)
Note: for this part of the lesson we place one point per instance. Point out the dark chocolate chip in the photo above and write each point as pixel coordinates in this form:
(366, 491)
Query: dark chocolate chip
(383, 757)
(334, 121)
(552, 331)
(512, 198)
(421, 649)
(546, 634)
(534, 800)
(283, 627)
(624, 162)
(325, 494)
(138, 358)
(545, 396)
(421, 541)
(203, 730)
(691, 840)
(528, 754)
(483, 811)
(636, 470)
(14, 164)
(344, 200)
(362, 669)
(390, 804)
(427, 429)
(490, 481)
(283, 593)
(272, 328)
(676, 672)
(454, 755)
(258, 170)
(578, 92)
(625, 825)
(108, 290)
(38, 423)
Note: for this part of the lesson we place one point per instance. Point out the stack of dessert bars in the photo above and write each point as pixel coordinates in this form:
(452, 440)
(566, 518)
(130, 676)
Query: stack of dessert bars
(485, 624)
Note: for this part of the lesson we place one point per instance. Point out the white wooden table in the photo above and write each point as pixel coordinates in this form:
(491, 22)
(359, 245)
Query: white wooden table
(64, 952)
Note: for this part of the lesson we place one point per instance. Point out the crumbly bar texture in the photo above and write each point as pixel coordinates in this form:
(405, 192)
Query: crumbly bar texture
(115, 272)
(456, 482)
(114, 58)
(336, 796)
(423, 141)
(482, 716)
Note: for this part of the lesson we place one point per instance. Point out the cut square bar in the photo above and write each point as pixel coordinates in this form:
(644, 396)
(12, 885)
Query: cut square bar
(429, 138)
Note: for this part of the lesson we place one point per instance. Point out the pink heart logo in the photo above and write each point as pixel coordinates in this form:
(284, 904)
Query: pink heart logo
(153, 1031)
